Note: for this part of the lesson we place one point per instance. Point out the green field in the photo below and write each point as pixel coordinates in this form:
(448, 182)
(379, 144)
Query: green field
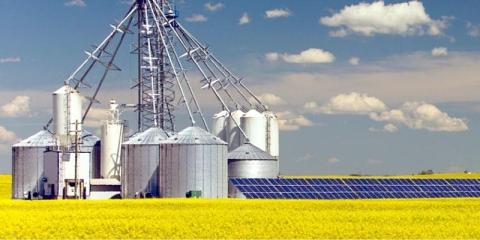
(236, 218)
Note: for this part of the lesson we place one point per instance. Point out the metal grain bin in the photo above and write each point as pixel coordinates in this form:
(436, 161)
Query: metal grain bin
(27, 164)
(249, 161)
(193, 160)
(140, 159)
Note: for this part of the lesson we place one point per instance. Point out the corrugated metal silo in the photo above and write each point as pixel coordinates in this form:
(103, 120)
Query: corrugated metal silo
(193, 160)
(234, 135)
(140, 159)
(255, 126)
(249, 161)
(219, 125)
(27, 164)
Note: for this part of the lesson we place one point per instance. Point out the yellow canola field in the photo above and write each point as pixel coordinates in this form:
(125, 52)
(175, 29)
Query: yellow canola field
(265, 219)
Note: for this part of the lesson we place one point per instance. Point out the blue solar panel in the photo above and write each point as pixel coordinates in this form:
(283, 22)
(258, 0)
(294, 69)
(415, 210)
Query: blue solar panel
(351, 188)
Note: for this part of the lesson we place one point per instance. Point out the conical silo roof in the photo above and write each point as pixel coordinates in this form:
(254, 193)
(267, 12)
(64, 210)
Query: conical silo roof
(249, 151)
(195, 135)
(154, 135)
(39, 139)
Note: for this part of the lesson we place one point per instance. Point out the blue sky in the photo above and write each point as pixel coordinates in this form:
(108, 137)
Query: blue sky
(340, 101)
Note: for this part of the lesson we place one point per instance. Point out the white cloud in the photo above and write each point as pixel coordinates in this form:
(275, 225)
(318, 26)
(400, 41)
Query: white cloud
(271, 99)
(196, 18)
(351, 103)
(10, 60)
(309, 56)
(19, 106)
(213, 7)
(422, 116)
(75, 3)
(354, 61)
(440, 52)
(277, 12)
(289, 121)
(374, 162)
(244, 19)
(368, 19)
(473, 30)
(389, 128)
(7, 137)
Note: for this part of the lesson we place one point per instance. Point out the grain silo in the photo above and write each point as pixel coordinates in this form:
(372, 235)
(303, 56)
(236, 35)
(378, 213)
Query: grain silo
(272, 141)
(27, 164)
(254, 124)
(140, 159)
(67, 114)
(249, 161)
(193, 161)
(219, 125)
(90, 143)
(234, 134)
(112, 138)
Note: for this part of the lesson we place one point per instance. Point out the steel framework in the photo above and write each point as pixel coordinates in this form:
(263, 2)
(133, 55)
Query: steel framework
(165, 50)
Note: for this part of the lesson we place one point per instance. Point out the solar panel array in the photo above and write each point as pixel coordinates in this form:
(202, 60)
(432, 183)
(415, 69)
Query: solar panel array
(351, 188)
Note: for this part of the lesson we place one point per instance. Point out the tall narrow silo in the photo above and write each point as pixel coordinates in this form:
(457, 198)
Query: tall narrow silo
(249, 161)
(234, 134)
(272, 134)
(27, 164)
(219, 125)
(140, 159)
(193, 160)
(255, 126)
(67, 111)
(112, 138)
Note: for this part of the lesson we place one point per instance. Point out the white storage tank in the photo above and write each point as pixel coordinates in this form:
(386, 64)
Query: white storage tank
(140, 160)
(67, 111)
(234, 134)
(219, 125)
(193, 160)
(112, 138)
(272, 140)
(27, 164)
(254, 124)
(249, 161)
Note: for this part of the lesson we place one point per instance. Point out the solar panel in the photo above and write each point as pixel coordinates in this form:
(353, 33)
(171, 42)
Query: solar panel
(351, 188)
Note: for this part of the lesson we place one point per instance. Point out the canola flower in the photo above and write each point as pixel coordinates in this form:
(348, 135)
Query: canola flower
(233, 218)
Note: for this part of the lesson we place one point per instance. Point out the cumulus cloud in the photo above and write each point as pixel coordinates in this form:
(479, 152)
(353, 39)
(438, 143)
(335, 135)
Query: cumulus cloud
(440, 52)
(18, 107)
(278, 12)
(354, 61)
(7, 136)
(213, 7)
(309, 56)
(422, 116)
(473, 30)
(271, 99)
(289, 121)
(389, 128)
(244, 19)
(10, 60)
(196, 18)
(75, 3)
(368, 19)
(350, 103)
